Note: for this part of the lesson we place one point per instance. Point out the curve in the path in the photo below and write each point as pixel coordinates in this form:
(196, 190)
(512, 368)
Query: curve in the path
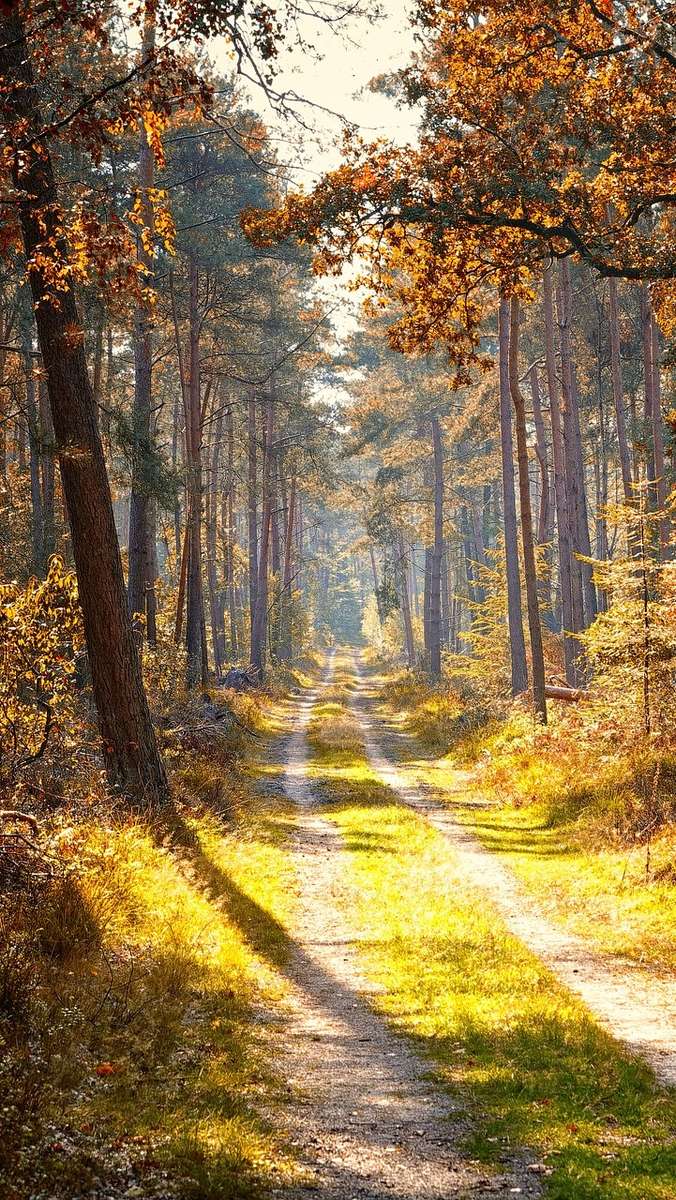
(635, 1007)
(368, 1124)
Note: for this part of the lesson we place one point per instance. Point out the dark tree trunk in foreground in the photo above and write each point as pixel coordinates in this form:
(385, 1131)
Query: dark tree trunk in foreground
(517, 645)
(527, 539)
(130, 751)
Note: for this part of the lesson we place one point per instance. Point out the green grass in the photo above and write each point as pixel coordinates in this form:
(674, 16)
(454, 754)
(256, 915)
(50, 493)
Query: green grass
(534, 1069)
(562, 851)
(151, 1054)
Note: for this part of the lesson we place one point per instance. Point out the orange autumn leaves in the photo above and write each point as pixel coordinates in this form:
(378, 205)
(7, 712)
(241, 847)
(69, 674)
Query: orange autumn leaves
(546, 129)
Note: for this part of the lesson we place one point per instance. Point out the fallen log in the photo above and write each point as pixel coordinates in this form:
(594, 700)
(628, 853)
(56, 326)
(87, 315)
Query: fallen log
(555, 691)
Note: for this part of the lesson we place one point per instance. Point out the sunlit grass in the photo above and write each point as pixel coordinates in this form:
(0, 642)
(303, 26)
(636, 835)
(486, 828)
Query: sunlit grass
(533, 1068)
(517, 803)
(158, 1063)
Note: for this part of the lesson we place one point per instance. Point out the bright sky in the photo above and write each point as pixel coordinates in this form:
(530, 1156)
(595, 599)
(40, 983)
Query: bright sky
(336, 78)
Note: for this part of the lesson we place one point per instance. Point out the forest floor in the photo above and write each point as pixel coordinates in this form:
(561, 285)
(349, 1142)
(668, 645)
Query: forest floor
(400, 910)
(330, 989)
(636, 1005)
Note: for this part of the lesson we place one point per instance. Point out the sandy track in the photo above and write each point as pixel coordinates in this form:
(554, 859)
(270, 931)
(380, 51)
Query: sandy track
(369, 1123)
(635, 1007)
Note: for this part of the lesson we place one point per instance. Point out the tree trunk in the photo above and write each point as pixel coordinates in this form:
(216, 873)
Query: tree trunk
(648, 395)
(252, 512)
(231, 540)
(130, 752)
(527, 539)
(286, 614)
(658, 441)
(517, 645)
(260, 620)
(575, 480)
(405, 603)
(37, 524)
(570, 645)
(138, 583)
(437, 553)
(194, 599)
(215, 599)
(618, 393)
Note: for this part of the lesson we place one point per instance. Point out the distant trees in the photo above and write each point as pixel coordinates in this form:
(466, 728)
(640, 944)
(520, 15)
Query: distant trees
(541, 169)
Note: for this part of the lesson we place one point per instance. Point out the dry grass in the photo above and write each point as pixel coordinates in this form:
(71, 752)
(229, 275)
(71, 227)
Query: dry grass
(510, 1043)
(130, 985)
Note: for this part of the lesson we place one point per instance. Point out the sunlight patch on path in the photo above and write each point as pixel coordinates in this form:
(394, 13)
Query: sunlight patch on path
(369, 1123)
(636, 1008)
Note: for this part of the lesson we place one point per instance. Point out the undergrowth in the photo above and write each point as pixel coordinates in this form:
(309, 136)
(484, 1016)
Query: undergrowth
(133, 971)
(513, 1046)
(587, 819)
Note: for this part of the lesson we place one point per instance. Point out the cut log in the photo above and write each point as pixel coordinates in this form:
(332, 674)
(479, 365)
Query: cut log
(554, 691)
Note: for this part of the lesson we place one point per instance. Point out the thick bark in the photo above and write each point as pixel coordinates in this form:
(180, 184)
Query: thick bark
(527, 539)
(130, 752)
(570, 644)
(517, 645)
(438, 550)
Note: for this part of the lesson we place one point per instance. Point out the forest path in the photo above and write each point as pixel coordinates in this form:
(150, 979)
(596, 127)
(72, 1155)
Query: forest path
(369, 1123)
(636, 1007)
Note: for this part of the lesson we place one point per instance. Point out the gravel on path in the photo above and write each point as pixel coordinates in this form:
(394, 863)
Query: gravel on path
(369, 1123)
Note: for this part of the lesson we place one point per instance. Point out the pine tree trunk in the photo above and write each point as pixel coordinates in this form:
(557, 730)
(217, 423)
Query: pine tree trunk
(527, 539)
(405, 603)
(130, 752)
(575, 477)
(286, 636)
(658, 441)
(231, 540)
(195, 672)
(435, 571)
(215, 599)
(37, 522)
(570, 645)
(544, 526)
(618, 393)
(517, 645)
(260, 619)
(252, 512)
(138, 583)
